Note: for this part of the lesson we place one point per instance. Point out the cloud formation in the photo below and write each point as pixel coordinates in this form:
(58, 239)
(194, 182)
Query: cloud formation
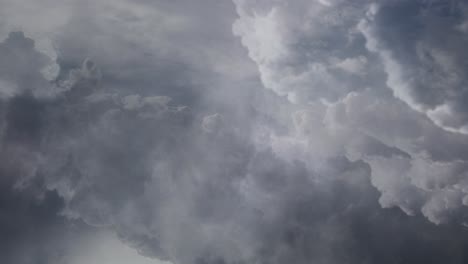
(396, 46)
(149, 119)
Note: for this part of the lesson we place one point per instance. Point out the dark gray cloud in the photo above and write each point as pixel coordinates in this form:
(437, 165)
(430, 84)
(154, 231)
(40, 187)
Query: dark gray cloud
(31, 228)
(426, 69)
(147, 118)
(21, 66)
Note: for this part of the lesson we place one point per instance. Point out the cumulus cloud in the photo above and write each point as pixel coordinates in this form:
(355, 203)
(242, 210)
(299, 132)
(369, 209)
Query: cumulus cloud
(412, 138)
(426, 69)
(306, 51)
(148, 119)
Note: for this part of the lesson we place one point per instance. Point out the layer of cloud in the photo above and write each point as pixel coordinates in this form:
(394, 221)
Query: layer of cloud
(148, 119)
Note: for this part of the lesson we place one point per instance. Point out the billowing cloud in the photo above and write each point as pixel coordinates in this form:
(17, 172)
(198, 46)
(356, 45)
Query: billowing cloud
(412, 137)
(422, 52)
(308, 50)
(148, 120)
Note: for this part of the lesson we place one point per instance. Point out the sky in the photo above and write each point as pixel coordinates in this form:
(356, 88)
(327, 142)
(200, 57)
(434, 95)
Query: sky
(233, 131)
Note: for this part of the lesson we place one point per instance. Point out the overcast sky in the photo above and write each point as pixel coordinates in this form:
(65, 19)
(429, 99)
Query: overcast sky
(233, 131)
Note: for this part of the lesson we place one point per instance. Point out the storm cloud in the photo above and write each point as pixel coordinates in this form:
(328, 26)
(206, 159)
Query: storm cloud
(234, 131)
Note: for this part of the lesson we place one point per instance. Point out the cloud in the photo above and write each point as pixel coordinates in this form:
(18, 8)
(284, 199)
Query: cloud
(341, 90)
(425, 69)
(31, 227)
(155, 127)
(23, 66)
(306, 51)
(105, 248)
